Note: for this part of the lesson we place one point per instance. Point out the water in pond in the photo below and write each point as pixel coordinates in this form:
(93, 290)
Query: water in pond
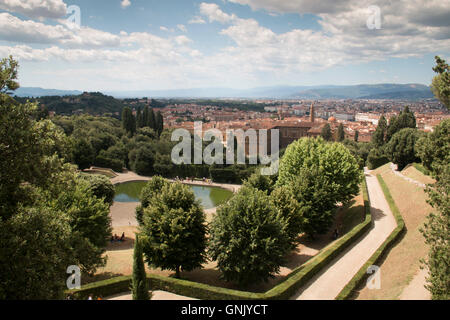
(209, 197)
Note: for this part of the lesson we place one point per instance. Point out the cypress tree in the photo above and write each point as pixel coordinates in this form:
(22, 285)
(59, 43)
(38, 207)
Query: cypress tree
(139, 119)
(139, 281)
(341, 133)
(326, 132)
(152, 120)
(159, 123)
(145, 117)
(356, 135)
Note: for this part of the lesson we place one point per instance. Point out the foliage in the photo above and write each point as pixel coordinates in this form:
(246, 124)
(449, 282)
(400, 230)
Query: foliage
(128, 121)
(248, 238)
(83, 154)
(437, 235)
(333, 161)
(340, 133)
(290, 209)
(379, 136)
(401, 148)
(405, 119)
(173, 230)
(260, 182)
(326, 133)
(441, 83)
(100, 186)
(376, 158)
(8, 75)
(151, 189)
(139, 283)
(434, 148)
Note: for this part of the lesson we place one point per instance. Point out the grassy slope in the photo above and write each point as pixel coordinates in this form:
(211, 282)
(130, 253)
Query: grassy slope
(402, 262)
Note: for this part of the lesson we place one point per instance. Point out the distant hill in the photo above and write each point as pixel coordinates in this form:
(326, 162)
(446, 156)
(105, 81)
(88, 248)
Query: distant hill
(378, 91)
(40, 92)
(363, 91)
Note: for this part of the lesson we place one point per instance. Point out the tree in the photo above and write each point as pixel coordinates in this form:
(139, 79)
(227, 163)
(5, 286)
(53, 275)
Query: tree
(248, 238)
(90, 223)
(434, 148)
(405, 119)
(151, 122)
(340, 133)
(100, 186)
(159, 123)
(128, 121)
(379, 136)
(437, 236)
(441, 83)
(290, 209)
(260, 182)
(139, 281)
(142, 160)
(356, 135)
(332, 160)
(174, 230)
(35, 254)
(83, 154)
(8, 75)
(326, 133)
(151, 189)
(401, 148)
(139, 119)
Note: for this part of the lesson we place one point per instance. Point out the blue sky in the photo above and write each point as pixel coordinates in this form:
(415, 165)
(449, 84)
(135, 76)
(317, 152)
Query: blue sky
(174, 44)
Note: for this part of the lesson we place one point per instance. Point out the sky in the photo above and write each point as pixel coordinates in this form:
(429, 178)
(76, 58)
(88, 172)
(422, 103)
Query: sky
(108, 45)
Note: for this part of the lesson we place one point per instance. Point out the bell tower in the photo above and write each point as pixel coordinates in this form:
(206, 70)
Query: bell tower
(311, 113)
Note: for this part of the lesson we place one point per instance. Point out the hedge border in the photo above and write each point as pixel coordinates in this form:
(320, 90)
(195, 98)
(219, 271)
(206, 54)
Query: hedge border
(361, 276)
(283, 291)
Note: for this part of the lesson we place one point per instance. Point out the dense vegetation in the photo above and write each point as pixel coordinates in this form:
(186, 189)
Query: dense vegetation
(50, 216)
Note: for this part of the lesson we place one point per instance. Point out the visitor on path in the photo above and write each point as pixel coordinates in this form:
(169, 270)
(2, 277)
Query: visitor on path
(336, 234)
(90, 297)
(122, 238)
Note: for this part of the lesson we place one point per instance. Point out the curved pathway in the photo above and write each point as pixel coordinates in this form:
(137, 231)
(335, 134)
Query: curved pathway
(329, 282)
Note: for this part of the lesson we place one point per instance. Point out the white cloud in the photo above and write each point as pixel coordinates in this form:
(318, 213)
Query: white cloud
(197, 20)
(214, 13)
(27, 31)
(162, 28)
(125, 3)
(36, 8)
(182, 27)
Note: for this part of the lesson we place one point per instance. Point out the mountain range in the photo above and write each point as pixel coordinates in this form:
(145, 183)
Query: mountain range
(363, 91)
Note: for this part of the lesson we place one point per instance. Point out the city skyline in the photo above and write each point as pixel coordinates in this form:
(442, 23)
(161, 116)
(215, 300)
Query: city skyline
(151, 45)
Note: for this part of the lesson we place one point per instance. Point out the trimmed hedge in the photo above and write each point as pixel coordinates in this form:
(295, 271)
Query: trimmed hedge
(361, 276)
(283, 291)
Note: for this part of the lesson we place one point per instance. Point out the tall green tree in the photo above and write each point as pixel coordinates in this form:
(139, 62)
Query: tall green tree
(139, 283)
(174, 230)
(441, 83)
(401, 148)
(379, 136)
(159, 123)
(405, 119)
(249, 238)
(139, 119)
(152, 121)
(340, 133)
(326, 133)
(356, 136)
(128, 121)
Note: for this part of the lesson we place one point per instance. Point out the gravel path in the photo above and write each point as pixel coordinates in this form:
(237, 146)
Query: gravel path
(394, 169)
(328, 283)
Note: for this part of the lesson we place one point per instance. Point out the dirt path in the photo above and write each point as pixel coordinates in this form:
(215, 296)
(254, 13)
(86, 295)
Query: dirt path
(328, 283)
(416, 288)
